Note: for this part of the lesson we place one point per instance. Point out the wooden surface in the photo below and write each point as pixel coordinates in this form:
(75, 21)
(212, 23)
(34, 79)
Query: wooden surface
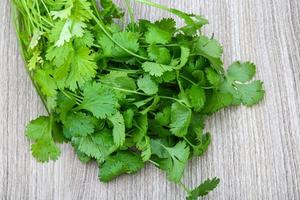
(255, 152)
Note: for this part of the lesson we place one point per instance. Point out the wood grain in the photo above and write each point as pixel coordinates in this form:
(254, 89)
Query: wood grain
(255, 151)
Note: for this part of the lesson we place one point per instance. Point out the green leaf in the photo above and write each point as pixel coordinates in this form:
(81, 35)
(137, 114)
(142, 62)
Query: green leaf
(236, 83)
(211, 50)
(86, 40)
(98, 100)
(159, 54)
(128, 40)
(216, 101)
(147, 85)
(110, 10)
(213, 77)
(185, 53)
(174, 159)
(64, 105)
(46, 82)
(79, 69)
(120, 163)
(203, 189)
(118, 128)
(180, 119)
(241, 72)
(197, 97)
(167, 24)
(35, 61)
(78, 125)
(98, 146)
(193, 22)
(128, 118)
(157, 35)
(156, 69)
(163, 118)
(119, 80)
(251, 93)
(140, 137)
(44, 147)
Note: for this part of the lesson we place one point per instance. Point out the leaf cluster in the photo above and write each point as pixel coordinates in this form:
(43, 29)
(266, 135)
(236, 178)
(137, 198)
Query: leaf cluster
(126, 96)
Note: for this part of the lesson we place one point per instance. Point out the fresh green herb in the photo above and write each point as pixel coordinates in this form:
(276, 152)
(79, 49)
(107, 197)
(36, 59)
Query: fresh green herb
(128, 96)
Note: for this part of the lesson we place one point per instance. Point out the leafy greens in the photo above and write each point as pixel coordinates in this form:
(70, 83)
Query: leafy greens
(126, 96)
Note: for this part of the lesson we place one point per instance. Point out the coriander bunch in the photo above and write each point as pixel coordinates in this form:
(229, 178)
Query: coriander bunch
(128, 96)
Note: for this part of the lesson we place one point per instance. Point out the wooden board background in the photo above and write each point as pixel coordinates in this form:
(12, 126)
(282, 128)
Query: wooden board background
(255, 152)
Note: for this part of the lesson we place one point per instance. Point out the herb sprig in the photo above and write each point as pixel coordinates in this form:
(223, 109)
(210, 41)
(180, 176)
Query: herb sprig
(128, 96)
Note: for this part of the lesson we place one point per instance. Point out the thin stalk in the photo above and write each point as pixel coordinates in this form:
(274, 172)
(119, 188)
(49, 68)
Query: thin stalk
(188, 142)
(154, 163)
(125, 90)
(156, 5)
(75, 95)
(17, 28)
(187, 79)
(101, 25)
(162, 45)
(130, 11)
(188, 191)
(174, 99)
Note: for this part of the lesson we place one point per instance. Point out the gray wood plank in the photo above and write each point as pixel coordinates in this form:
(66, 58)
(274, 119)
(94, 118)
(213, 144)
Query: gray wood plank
(255, 151)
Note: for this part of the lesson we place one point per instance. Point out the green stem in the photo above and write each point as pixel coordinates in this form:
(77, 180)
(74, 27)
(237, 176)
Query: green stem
(125, 90)
(75, 95)
(174, 99)
(188, 141)
(162, 45)
(17, 22)
(156, 5)
(188, 191)
(154, 163)
(129, 71)
(78, 102)
(130, 11)
(101, 25)
(187, 79)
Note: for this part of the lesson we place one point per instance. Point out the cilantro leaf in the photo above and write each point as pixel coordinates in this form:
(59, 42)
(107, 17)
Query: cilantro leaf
(217, 100)
(213, 77)
(78, 125)
(163, 118)
(128, 118)
(173, 159)
(159, 54)
(251, 93)
(193, 22)
(185, 53)
(79, 68)
(119, 80)
(180, 119)
(118, 128)
(196, 95)
(211, 50)
(203, 189)
(98, 146)
(120, 163)
(110, 10)
(241, 72)
(44, 147)
(156, 69)
(46, 82)
(147, 85)
(98, 100)
(157, 35)
(236, 83)
(140, 136)
(128, 40)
